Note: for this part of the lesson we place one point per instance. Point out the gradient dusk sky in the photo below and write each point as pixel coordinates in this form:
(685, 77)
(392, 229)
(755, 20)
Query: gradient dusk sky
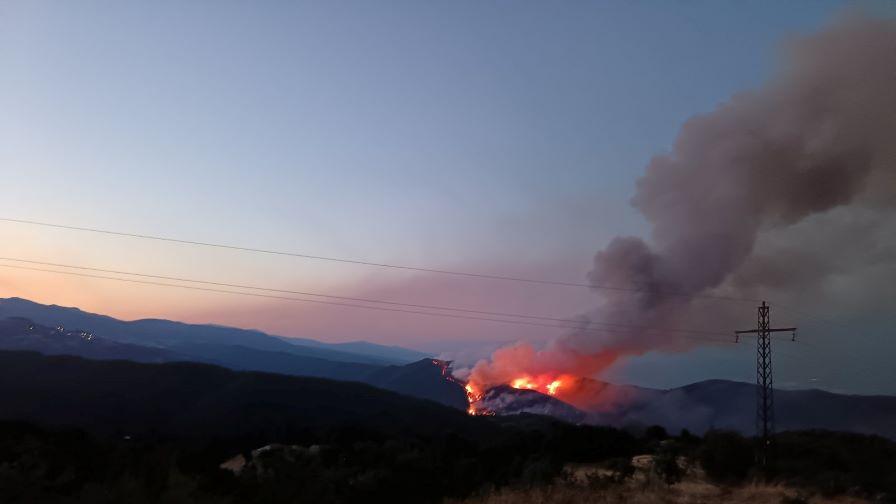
(498, 137)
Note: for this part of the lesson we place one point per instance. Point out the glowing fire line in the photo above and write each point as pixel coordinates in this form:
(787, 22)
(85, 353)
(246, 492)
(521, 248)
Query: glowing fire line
(542, 384)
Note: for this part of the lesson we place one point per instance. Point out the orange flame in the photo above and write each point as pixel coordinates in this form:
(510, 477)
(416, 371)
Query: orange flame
(545, 384)
(553, 386)
(473, 396)
(549, 383)
(523, 383)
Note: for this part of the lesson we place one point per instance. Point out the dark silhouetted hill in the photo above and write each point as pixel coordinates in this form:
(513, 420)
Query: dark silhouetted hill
(422, 379)
(251, 359)
(426, 378)
(189, 400)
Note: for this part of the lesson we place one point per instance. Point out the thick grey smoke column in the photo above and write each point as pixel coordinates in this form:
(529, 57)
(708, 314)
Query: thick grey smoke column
(818, 136)
(805, 156)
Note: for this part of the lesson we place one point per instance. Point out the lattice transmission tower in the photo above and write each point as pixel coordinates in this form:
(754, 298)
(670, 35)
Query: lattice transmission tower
(765, 394)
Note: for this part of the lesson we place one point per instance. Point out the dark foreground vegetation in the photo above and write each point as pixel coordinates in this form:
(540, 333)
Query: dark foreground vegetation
(74, 430)
(354, 465)
(324, 465)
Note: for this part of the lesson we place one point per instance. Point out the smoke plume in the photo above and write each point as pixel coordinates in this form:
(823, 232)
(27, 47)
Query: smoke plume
(815, 144)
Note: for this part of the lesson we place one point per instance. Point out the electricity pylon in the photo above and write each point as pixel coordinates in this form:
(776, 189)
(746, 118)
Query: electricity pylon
(765, 394)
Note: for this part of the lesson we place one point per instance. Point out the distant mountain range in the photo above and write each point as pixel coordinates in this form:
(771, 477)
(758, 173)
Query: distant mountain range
(18, 333)
(169, 334)
(713, 404)
(199, 401)
(723, 404)
(54, 330)
(706, 405)
(395, 354)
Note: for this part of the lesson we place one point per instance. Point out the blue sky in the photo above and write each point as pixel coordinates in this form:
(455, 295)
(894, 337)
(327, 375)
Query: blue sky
(487, 136)
(395, 132)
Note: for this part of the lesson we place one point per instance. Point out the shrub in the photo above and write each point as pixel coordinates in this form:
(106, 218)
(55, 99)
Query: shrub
(622, 469)
(726, 456)
(665, 464)
(656, 433)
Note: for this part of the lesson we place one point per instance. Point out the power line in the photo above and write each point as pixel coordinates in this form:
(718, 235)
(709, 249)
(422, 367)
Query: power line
(333, 303)
(295, 254)
(365, 300)
(467, 274)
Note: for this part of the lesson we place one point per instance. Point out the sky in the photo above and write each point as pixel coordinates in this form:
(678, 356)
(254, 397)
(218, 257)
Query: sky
(495, 137)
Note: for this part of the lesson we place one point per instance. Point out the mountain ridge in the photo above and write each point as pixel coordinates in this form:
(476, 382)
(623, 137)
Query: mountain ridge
(721, 404)
(422, 379)
(166, 333)
(197, 400)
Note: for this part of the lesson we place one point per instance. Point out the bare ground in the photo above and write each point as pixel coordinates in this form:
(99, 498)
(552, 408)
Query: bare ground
(645, 488)
(685, 492)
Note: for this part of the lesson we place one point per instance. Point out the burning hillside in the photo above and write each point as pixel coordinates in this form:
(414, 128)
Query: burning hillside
(575, 393)
(508, 400)
(568, 384)
(545, 384)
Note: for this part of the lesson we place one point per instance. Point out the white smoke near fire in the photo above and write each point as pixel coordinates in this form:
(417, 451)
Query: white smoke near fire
(817, 138)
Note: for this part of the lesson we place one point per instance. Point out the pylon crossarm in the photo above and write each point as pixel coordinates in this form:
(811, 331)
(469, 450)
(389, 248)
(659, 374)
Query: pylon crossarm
(754, 331)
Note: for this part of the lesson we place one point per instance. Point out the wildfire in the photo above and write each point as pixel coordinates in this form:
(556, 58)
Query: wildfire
(523, 383)
(546, 384)
(543, 384)
(473, 396)
(553, 386)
